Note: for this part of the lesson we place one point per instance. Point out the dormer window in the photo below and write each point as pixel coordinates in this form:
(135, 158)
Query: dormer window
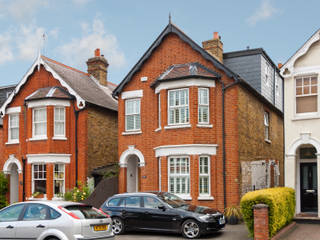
(178, 109)
(306, 94)
(39, 122)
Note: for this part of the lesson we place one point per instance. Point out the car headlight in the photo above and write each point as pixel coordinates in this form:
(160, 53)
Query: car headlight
(206, 218)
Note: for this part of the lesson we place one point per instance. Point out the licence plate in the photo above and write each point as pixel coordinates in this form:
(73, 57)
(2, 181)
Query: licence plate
(100, 228)
(222, 221)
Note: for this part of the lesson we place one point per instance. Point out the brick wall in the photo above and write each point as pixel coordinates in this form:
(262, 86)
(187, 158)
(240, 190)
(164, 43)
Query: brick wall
(102, 137)
(252, 144)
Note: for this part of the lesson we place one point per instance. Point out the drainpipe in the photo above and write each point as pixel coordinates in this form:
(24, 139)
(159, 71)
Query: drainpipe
(224, 88)
(23, 179)
(76, 113)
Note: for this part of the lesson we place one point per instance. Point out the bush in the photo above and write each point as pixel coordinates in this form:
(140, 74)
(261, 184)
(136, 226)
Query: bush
(77, 194)
(3, 190)
(281, 202)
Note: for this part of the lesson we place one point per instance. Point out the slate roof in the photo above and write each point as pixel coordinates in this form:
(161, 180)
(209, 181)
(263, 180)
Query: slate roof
(84, 85)
(187, 70)
(4, 91)
(49, 92)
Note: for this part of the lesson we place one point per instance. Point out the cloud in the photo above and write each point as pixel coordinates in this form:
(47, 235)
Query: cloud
(94, 35)
(21, 10)
(5, 48)
(80, 2)
(264, 12)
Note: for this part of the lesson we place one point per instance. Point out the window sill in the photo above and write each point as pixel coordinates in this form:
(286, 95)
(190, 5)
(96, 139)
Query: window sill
(59, 138)
(306, 117)
(177, 126)
(132, 133)
(202, 125)
(57, 199)
(38, 139)
(184, 197)
(267, 141)
(12, 142)
(36, 199)
(158, 129)
(207, 197)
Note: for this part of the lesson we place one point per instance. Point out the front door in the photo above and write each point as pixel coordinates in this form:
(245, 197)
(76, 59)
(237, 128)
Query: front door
(14, 184)
(309, 187)
(132, 174)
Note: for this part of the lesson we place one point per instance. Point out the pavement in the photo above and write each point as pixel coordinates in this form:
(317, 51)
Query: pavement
(230, 232)
(303, 231)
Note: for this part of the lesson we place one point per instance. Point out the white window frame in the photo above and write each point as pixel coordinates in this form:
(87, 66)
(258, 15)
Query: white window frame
(135, 129)
(205, 175)
(15, 140)
(59, 179)
(187, 195)
(159, 111)
(44, 136)
(266, 124)
(187, 106)
(33, 179)
(59, 121)
(305, 114)
(203, 105)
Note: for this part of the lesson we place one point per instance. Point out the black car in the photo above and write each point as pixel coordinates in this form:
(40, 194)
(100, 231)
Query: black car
(161, 211)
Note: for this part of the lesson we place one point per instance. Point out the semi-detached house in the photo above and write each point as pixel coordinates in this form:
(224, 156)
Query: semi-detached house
(59, 124)
(189, 125)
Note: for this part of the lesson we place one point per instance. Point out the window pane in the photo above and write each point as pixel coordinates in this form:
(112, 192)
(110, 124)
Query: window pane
(298, 91)
(178, 110)
(35, 212)
(314, 80)
(11, 213)
(132, 202)
(306, 104)
(150, 202)
(298, 82)
(178, 175)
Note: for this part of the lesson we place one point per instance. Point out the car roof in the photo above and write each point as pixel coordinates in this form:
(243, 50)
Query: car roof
(52, 203)
(151, 193)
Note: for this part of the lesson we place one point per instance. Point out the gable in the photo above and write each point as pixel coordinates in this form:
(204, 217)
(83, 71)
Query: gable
(310, 58)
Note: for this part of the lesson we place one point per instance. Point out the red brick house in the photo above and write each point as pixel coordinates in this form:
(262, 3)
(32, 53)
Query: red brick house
(59, 124)
(189, 125)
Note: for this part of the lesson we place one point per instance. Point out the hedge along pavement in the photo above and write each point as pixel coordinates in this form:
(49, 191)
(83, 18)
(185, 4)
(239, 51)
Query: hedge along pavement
(3, 190)
(281, 202)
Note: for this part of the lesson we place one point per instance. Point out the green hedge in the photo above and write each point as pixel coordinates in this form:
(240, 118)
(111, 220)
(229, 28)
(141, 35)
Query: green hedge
(3, 190)
(281, 202)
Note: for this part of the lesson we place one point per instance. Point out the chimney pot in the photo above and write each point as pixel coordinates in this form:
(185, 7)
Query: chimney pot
(279, 65)
(215, 35)
(97, 52)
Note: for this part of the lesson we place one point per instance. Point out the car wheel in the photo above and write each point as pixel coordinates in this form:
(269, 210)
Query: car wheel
(190, 229)
(53, 238)
(117, 226)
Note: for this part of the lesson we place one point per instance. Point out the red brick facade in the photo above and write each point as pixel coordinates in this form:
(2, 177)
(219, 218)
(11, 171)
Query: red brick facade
(173, 50)
(48, 149)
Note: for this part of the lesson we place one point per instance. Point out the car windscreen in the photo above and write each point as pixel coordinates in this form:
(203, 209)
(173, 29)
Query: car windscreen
(171, 199)
(85, 212)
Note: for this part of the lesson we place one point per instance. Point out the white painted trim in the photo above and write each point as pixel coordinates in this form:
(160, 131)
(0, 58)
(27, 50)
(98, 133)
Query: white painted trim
(305, 138)
(39, 61)
(48, 158)
(13, 110)
(203, 197)
(177, 126)
(62, 136)
(185, 197)
(131, 151)
(15, 141)
(206, 195)
(144, 79)
(208, 105)
(38, 138)
(187, 149)
(204, 125)
(158, 129)
(303, 50)
(132, 94)
(59, 138)
(185, 83)
(10, 161)
(131, 133)
(185, 105)
(48, 102)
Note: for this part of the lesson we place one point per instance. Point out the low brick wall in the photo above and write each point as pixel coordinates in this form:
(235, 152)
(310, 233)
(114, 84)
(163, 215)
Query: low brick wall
(261, 222)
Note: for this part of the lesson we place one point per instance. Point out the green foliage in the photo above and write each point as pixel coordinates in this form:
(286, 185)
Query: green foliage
(3, 190)
(233, 211)
(281, 202)
(77, 194)
(113, 172)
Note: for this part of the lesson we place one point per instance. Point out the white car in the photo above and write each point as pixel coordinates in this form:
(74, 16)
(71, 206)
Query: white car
(54, 220)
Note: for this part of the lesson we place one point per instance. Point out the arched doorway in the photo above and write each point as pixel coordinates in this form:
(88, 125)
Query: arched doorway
(13, 168)
(132, 173)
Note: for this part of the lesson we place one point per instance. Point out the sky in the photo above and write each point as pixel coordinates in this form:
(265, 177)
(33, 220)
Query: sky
(69, 30)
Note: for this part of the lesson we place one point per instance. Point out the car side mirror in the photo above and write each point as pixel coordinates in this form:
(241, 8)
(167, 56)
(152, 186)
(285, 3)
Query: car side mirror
(162, 207)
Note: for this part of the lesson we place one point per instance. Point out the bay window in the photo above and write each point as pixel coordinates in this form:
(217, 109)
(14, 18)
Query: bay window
(306, 94)
(178, 106)
(39, 178)
(59, 122)
(39, 122)
(58, 179)
(179, 175)
(132, 115)
(204, 176)
(203, 105)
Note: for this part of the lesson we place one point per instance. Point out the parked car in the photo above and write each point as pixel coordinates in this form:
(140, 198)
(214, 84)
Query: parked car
(54, 220)
(161, 211)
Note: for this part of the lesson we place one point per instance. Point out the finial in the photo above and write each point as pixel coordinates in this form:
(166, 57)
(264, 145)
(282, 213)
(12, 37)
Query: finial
(169, 17)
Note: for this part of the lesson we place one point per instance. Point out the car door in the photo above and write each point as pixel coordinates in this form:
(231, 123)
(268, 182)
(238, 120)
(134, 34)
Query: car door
(155, 218)
(9, 221)
(132, 212)
(34, 221)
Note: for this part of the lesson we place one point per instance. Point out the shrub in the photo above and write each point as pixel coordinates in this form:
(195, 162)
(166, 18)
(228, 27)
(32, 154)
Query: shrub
(77, 194)
(3, 190)
(281, 202)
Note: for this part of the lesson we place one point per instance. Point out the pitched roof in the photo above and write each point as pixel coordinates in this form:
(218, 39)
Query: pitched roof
(171, 28)
(84, 84)
(81, 85)
(49, 92)
(187, 70)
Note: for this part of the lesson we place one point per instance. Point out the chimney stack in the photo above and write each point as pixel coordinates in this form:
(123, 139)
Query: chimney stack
(97, 67)
(214, 47)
